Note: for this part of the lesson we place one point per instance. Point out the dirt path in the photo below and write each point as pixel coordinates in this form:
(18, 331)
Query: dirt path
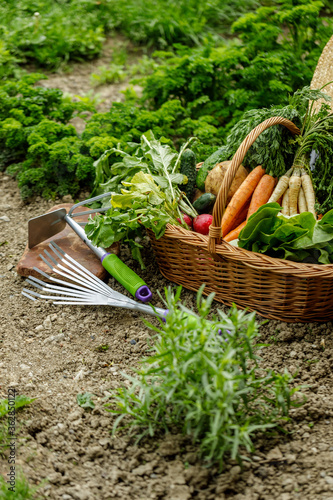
(50, 353)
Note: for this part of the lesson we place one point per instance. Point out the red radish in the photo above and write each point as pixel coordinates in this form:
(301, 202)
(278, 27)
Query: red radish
(201, 223)
(187, 220)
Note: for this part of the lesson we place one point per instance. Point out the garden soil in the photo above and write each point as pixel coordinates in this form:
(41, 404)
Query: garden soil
(53, 353)
(50, 353)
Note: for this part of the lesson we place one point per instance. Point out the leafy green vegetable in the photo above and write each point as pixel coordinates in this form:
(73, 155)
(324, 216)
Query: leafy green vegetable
(84, 400)
(209, 386)
(299, 238)
(152, 198)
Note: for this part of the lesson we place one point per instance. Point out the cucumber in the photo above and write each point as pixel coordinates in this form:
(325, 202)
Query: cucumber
(187, 167)
(208, 165)
(204, 203)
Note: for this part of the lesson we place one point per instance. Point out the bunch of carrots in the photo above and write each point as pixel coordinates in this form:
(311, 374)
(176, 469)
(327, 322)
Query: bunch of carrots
(294, 192)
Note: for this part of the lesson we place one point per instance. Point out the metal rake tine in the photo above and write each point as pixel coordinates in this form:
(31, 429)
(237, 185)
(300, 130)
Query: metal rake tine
(46, 262)
(67, 259)
(50, 257)
(57, 299)
(32, 280)
(90, 200)
(110, 291)
(61, 290)
(27, 295)
(92, 211)
(56, 280)
(72, 276)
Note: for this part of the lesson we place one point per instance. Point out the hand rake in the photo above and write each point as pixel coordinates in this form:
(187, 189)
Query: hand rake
(45, 226)
(82, 287)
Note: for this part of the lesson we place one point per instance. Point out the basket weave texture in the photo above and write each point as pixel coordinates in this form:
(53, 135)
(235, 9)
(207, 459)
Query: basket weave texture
(276, 289)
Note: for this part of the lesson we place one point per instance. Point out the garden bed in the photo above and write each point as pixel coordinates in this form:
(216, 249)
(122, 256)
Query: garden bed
(51, 353)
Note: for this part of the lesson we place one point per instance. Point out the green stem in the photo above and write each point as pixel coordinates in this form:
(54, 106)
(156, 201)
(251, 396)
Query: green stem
(182, 149)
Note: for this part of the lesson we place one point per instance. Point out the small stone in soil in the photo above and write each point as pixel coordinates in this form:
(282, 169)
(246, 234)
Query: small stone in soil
(133, 342)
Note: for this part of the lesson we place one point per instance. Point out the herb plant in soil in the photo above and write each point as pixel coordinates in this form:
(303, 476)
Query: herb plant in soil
(205, 378)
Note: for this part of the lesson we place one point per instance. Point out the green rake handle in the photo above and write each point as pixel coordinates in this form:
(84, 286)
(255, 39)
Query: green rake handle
(128, 278)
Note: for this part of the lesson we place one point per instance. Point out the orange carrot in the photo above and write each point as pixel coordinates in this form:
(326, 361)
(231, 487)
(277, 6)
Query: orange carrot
(241, 216)
(241, 196)
(262, 193)
(235, 233)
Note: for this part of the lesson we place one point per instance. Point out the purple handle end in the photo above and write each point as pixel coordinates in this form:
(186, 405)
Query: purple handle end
(103, 256)
(143, 293)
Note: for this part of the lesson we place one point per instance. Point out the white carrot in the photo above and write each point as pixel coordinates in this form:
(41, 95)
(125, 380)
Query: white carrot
(302, 206)
(281, 186)
(294, 187)
(308, 192)
(285, 203)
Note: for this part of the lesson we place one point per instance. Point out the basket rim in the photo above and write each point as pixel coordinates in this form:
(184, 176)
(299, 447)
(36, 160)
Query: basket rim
(247, 257)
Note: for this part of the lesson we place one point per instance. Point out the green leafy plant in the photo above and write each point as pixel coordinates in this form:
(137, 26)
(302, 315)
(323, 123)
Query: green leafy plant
(5, 437)
(151, 198)
(50, 33)
(85, 400)
(20, 402)
(114, 73)
(159, 23)
(91, 99)
(23, 490)
(209, 385)
(274, 52)
(53, 33)
(299, 238)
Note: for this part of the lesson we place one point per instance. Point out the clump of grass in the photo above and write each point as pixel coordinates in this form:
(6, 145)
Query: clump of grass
(114, 73)
(205, 380)
(23, 490)
(5, 437)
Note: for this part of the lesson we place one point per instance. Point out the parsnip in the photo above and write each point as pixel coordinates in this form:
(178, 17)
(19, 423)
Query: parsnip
(302, 206)
(308, 192)
(294, 187)
(281, 187)
(285, 203)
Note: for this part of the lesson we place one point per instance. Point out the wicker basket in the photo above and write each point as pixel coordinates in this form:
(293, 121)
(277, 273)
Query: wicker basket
(277, 289)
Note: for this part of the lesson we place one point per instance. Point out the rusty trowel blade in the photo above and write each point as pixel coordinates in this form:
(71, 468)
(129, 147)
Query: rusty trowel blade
(45, 226)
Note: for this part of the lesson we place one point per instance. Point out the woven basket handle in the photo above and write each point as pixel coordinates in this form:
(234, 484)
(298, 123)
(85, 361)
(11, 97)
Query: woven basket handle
(215, 229)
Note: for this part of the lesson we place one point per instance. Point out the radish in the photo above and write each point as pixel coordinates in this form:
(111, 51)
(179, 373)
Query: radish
(187, 220)
(201, 223)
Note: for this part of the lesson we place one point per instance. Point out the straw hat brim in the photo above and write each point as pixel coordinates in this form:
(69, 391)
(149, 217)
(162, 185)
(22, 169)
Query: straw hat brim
(324, 73)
